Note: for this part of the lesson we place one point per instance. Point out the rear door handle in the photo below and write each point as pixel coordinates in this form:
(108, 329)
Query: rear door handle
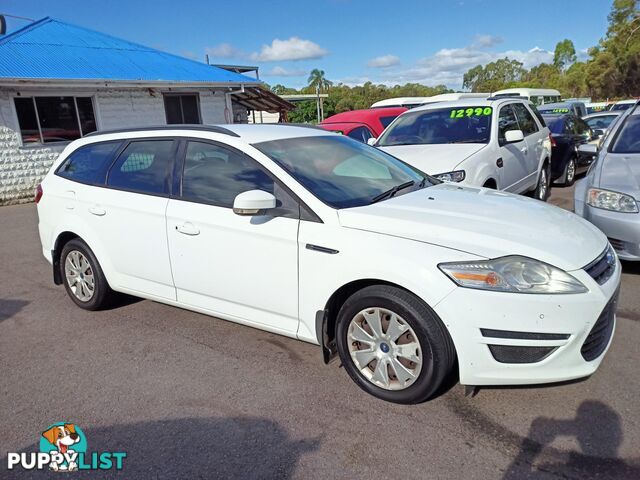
(97, 210)
(188, 228)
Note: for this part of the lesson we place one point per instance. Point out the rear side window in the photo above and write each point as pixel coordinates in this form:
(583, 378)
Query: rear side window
(525, 119)
(216, 175)
(362, 134)
(569, 126)
(506, 122)
(85, 164)
(144, 167)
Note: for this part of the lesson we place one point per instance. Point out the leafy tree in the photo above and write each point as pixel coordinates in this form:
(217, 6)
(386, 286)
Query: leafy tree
(317, 80)
(565, 54)
(493, 76)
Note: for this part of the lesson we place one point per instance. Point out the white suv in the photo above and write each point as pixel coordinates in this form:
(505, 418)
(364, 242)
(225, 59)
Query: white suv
(315, 236)
(500, 143)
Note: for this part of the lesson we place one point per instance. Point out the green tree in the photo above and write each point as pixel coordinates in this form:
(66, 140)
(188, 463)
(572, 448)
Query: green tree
(317, 80)
(564, 54)
(493, 76)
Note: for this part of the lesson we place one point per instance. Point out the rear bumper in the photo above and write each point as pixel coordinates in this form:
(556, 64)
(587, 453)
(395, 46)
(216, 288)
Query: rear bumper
(556, 330)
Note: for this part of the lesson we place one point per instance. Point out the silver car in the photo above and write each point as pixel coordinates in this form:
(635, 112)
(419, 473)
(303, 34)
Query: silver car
(608, 195)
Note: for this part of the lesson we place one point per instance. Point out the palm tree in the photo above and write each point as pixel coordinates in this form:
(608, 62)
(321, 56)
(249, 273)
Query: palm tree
(318, 81)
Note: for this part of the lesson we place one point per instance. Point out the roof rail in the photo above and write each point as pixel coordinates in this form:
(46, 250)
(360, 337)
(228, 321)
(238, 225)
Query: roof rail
(197, 127)
(506, 97)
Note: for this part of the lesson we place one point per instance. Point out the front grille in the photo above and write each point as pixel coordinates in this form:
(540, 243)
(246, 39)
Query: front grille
(512, 354)
(598, 339)
(602, 267)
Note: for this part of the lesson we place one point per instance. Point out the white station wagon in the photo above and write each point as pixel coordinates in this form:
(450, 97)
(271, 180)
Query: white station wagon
(318, 237)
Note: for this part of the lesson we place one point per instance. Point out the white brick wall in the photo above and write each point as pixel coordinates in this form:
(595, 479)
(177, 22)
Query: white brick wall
(22, 168)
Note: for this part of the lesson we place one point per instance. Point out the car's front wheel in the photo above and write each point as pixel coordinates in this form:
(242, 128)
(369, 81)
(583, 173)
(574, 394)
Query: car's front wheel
(393, 345)
(83, 278)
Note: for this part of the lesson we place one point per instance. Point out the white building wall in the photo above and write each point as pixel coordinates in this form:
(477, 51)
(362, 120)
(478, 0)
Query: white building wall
(22, 168)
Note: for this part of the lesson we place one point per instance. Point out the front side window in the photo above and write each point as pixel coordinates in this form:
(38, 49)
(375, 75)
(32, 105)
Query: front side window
(340, 171)
(182, 108)
(507, 121)
(144, 166)
(362, 134)
(84, 164)
(54, 119)
(216, 175)
(628, 139)
(440, 126)
(569, 126)
(525, 119)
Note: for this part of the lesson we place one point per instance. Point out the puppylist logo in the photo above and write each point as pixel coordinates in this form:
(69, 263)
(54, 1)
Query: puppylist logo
(63, 448)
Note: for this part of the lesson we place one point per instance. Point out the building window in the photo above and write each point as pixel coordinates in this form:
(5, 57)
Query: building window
(54, 119)
(182, 108)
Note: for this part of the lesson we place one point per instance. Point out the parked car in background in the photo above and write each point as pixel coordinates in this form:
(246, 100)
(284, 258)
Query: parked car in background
(608, 196)
(568, 132)
(577, 108)
(623, 105)
(412, 102)
(597, 107)
(315, 236)
(537, 96)
(600, 122)
(497, 143)
(362, 125)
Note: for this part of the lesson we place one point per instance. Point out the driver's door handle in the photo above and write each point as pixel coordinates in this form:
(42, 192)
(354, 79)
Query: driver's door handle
(188, 228)
(97, 210)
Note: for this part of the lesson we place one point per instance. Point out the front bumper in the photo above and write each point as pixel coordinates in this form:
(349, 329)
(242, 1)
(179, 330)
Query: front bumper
(557, 326)
(622, 229)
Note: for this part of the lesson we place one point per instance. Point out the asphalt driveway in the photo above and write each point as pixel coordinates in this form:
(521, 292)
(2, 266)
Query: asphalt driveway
(190, 396)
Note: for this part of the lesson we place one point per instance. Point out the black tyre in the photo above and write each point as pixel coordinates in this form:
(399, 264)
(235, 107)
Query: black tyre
(82, 276)
(569, 173)
(543, 187)
(393, 345)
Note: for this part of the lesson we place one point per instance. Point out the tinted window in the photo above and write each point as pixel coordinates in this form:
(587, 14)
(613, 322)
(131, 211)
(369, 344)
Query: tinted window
(506, 122)
(555, 124)
(569, 126)
(525, 119)
(582, 128)
(602, 122)
(439, 126)
(621, 106)
(628, 140)
(340, 171)
(362, 134)
(182, 109)
(143, 166)
(386, 121)
(85, 163)
(216, 175)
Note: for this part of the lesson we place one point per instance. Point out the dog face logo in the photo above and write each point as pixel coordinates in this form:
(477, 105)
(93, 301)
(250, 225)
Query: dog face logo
(63, 438)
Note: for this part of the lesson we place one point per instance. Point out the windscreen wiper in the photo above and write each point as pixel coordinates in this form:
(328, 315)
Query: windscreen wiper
(392, 191)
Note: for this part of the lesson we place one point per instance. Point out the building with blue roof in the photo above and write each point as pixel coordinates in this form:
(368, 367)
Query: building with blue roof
(59, 82)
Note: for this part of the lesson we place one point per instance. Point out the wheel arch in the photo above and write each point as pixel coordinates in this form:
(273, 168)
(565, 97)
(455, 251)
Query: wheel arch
(61, 240)
(326, 319)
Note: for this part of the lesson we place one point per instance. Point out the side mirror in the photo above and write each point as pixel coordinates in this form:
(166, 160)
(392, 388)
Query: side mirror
(588, 149)
(513, 136)
(598, 132)
(372, 141)
(253, 202)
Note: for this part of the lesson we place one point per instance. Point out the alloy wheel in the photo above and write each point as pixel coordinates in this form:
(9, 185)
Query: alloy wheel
(542, 185)
(384, 348)
(571, 171)
(79, 275)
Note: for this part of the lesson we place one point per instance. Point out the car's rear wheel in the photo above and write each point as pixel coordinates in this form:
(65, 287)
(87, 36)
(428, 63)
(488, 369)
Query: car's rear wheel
(569, 172)
(393, 345)
(83, 277)
(544, 182)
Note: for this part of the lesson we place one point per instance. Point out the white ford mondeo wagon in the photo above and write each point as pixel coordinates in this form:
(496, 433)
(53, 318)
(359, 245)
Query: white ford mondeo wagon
(318, 237)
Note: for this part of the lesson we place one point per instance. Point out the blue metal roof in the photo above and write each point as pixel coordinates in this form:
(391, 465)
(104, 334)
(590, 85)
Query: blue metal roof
(53, 50)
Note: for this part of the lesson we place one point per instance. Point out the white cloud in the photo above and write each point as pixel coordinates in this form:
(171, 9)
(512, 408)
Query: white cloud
(283, 72)
(383, 61)
(486, 41)
(292, 49)
(224, 50)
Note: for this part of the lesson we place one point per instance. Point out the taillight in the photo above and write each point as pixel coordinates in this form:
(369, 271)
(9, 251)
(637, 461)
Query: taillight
(553, 141)
(39, 193)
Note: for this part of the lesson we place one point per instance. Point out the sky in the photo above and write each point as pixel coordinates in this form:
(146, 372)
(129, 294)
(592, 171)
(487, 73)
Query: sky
(390, 42)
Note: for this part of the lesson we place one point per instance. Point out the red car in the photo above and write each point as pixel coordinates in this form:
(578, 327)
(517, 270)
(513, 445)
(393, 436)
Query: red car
(362, 124)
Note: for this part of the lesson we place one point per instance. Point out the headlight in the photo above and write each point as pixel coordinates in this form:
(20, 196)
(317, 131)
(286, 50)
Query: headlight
(512, 274)
(608, 200)
(456, 176)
